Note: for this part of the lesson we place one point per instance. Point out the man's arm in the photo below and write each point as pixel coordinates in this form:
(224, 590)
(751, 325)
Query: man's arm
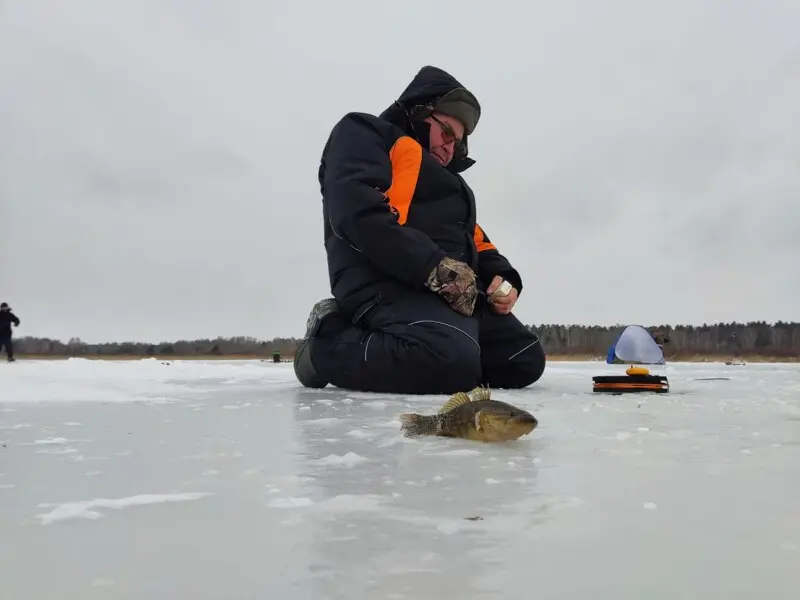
(491, 262)
(358, 169)
(14, 319)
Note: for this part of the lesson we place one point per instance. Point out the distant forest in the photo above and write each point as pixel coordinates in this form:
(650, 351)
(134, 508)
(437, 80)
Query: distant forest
(778, 341)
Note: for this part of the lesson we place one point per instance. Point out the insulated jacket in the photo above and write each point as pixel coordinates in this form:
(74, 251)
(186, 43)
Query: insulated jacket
(391, 211)
(6, 319)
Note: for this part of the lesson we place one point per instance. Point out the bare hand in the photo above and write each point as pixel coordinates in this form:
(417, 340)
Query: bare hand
(501, 304)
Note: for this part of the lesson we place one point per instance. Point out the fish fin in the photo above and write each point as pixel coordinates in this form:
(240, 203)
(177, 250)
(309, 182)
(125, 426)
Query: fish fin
(414, 425)
(478, 421)
(481, 393)
(454, 401)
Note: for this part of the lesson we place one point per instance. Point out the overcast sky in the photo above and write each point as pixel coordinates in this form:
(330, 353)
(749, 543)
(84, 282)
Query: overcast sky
(637, 161)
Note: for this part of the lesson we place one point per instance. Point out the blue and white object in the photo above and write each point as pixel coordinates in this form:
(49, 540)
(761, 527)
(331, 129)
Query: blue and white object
(635, 346)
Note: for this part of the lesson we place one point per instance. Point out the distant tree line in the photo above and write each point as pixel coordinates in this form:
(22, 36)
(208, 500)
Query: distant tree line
(779, 340)
(756, 338)
(232, 346)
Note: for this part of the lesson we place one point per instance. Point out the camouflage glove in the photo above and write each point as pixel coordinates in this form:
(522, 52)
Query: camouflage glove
(454, 281)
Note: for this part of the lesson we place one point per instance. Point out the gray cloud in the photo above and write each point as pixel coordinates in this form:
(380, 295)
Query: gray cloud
(636, 161)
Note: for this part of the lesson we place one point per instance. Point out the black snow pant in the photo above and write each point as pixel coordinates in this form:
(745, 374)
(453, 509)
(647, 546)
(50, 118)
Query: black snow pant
(5, 343)
(417, 344)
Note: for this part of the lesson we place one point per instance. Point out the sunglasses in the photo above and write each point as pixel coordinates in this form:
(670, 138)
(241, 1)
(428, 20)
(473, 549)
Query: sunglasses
(448, 132)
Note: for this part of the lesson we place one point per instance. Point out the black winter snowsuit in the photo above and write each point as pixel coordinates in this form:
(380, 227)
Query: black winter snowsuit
(391, 212)
(6, 319)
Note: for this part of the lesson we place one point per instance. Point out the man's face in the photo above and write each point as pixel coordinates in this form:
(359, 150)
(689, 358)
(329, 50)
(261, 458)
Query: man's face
(446, 132)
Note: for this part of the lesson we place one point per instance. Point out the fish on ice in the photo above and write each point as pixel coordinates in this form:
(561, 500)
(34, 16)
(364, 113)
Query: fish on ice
(476, 417)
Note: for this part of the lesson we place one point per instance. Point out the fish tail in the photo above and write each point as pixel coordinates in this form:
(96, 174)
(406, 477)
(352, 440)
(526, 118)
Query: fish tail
(414, 425)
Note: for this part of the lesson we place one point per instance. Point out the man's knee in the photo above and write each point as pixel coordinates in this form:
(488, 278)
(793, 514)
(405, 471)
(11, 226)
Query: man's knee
(457, 367)
(443, 358)
(513, 356)
(440, 348)
(527, 366)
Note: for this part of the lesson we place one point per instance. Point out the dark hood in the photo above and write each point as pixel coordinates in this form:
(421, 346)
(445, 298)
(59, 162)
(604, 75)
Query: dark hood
(428, 85)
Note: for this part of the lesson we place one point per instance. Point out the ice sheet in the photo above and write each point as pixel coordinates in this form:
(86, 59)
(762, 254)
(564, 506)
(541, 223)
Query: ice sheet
(227, 480)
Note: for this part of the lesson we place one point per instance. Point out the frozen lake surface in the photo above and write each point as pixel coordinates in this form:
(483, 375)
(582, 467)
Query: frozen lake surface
(226, 480)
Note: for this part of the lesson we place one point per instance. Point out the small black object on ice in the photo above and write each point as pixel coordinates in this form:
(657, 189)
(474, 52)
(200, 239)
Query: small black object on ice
(636, 379)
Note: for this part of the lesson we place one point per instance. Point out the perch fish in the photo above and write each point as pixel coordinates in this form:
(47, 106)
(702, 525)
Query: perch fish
(477, 418)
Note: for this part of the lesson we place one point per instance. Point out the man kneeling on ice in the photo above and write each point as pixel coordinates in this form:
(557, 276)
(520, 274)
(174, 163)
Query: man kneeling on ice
(422, 298)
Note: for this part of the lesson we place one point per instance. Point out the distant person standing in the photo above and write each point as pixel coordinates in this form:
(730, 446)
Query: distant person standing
(6, 319)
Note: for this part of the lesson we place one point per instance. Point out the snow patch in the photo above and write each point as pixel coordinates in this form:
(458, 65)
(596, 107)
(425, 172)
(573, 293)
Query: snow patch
(359, 434)
(84, 509)
(290, 502)
(349, 460)
(58, 451)
(47, 441)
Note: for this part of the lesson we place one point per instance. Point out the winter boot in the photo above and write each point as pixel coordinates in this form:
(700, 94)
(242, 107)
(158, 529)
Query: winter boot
(303, 368)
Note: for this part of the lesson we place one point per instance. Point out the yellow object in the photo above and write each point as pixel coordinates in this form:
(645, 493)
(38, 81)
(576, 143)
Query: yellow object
(637, 371)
